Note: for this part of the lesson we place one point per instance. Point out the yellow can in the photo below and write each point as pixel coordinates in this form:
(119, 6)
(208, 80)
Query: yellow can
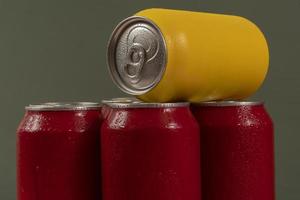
(162, 55)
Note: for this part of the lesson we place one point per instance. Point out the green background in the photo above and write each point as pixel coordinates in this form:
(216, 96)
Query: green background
(54, 50)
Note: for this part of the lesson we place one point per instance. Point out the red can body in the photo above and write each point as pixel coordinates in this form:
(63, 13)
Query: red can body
(236, 151)
(150, 152)
(58, 153)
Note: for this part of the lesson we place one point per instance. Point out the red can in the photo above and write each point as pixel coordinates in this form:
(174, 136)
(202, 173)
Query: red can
(237, 153)
(58, 152)
(150, 151)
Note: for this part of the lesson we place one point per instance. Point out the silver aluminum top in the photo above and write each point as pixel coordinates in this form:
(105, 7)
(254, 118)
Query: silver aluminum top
(120, 100)
(148, 105)
(57, 106)
(229, 103)
(136, 55)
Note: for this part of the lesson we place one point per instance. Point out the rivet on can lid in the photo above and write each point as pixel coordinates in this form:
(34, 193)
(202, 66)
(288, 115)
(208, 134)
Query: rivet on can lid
(136, 55)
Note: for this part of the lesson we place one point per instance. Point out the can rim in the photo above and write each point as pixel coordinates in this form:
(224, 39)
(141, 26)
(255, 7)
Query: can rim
(61, 106)
(111, 50)
(149, 105)
(229, 103)
(120, 100)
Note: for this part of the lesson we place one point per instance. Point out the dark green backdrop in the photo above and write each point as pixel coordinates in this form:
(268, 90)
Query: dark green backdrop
(54, 50)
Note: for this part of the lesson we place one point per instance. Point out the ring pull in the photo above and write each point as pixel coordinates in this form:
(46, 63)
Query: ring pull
(136, 58)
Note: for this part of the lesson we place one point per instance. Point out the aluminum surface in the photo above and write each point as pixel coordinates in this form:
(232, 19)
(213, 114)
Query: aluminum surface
(148, 105)
(137, 55)
(56, 106)
(120, 100)
(229, 103)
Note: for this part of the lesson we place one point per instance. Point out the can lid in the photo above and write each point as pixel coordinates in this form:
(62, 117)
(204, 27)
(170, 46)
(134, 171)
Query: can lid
(148, 105)
(229, 103)
(120, 100)
(57, 106)
(136, 55)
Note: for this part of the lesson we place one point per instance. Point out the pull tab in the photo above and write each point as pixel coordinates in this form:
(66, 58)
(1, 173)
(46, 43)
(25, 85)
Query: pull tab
(136, 58)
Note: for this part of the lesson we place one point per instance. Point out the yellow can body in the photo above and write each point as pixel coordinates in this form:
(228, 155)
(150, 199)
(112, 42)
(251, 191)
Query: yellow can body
(209, 56)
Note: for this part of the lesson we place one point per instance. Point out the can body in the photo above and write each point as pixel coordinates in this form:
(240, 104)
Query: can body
(57, 155)
(236, 151)
(150, 153)
(173, 55)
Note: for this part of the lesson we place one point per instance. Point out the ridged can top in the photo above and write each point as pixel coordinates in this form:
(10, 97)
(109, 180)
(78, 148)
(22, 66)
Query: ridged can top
(149, 105)
(120, 100)
(58, 106)
(137, 55)
(228, 103)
